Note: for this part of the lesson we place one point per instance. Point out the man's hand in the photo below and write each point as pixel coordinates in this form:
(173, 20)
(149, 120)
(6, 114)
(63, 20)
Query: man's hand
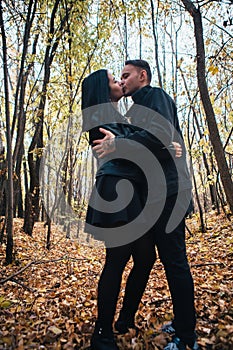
(178, 149)
(106, 145)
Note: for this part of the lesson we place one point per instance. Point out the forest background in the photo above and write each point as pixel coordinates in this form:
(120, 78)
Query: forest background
(48, 47)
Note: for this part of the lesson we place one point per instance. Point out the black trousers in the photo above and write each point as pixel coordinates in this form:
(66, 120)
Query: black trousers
(172, 252)
(143, 253)
(171, 249)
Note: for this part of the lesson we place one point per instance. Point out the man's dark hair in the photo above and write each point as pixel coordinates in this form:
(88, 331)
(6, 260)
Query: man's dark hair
(141, 64)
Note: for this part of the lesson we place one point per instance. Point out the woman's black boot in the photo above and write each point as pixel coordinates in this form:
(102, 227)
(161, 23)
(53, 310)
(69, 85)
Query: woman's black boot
(102, 339)
(123, 327)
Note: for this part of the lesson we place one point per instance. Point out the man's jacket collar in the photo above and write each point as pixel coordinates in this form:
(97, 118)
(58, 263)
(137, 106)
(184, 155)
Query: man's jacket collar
(139, 95)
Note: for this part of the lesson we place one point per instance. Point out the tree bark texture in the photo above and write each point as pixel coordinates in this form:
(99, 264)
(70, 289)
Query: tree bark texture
(9, 227)
(204, 93)
(36, 146)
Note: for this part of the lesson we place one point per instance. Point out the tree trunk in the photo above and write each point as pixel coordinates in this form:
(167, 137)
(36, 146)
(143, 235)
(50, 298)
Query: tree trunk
(208, 171)
(29, 215)
(19, 110)
(36, 145)
(125, 30)
(9, 245)
(3, 178)
(210, 116)
(156, 44)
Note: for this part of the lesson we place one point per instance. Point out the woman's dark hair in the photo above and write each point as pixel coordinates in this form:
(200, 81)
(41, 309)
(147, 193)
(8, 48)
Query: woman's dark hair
(96, 107)
(141, 64)
(95, 89)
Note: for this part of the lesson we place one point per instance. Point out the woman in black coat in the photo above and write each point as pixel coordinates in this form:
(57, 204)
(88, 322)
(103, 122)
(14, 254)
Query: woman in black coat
(100, 94)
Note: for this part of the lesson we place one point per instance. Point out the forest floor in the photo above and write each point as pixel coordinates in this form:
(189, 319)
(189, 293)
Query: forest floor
(48, 298)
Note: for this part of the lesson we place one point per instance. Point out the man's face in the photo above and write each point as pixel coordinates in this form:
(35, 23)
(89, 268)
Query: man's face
(132, 79)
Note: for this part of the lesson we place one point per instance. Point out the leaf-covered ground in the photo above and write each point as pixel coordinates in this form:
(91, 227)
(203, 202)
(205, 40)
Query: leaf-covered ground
(48, 298)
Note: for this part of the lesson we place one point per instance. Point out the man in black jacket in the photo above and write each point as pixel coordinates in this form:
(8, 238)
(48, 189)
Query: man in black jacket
(168, 188)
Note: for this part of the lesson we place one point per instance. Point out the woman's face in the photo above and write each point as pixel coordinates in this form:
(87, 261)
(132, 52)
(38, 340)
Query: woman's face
(116, 91)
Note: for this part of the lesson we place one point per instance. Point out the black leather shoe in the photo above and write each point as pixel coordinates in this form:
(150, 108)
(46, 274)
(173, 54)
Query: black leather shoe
(101, 341)
(122, 327)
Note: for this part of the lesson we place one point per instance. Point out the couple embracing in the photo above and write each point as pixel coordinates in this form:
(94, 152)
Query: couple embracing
(140, 199)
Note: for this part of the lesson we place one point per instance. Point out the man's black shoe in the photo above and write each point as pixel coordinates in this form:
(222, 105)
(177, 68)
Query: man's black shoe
(177, 344)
